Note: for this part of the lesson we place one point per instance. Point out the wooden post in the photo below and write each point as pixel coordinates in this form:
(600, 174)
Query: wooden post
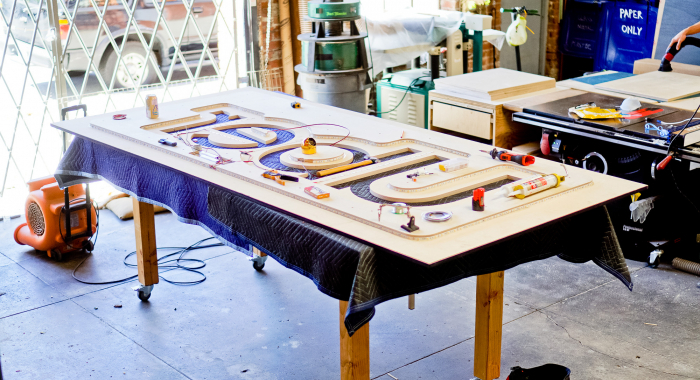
(489, 324)
(287, 55)
(259, 252)
(354, 351)
(295, 20)
(146, 253)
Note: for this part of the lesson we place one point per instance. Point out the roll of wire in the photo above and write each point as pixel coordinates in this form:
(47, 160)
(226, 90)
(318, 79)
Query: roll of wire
(686, 266)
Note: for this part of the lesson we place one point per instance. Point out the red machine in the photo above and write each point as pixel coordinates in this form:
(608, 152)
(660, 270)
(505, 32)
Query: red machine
(49, 210)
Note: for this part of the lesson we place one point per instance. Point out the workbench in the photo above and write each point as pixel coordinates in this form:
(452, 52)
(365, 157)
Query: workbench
(472, 105)
(340, 242)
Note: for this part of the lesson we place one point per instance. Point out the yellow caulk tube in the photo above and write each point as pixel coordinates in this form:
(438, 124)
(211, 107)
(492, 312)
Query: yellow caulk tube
(536, 185)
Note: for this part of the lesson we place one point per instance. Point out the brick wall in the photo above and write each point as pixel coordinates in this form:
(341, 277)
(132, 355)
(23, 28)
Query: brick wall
(552, 65)
(488, 61)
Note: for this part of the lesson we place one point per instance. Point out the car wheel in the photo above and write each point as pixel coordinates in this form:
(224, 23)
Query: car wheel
(131, 68)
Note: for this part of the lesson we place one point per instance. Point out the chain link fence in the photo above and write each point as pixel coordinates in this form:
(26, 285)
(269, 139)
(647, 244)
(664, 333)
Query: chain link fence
(107, 54)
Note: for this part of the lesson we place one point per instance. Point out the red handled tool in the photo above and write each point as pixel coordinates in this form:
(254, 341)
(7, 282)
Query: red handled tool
(524, 160)
(662, 164)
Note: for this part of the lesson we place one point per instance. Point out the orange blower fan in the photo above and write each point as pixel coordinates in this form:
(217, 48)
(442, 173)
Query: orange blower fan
(49, 210)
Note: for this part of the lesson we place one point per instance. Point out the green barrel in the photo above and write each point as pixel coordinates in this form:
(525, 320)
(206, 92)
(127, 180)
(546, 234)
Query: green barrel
(332, 56)
(341, 9)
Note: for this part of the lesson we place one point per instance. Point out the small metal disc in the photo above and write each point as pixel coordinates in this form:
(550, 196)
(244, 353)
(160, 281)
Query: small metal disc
(119, 117)
(437, 216)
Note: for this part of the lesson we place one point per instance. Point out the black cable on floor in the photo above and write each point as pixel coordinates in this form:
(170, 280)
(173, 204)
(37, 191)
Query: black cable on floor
(197, 264)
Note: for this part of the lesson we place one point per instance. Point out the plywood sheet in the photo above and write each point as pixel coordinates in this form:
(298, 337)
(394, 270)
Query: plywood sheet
(519, 104)
(576, 85)
(495, 84)
(657, 85)
(689, 104)
(648, 65)
(344, 211)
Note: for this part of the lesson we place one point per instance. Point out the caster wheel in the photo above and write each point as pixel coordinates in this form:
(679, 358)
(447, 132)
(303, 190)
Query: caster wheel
(258, 267)
(655, 258)
(56, 255)
(143, 292)
(143, 296)
(88, 246)
(654, 263)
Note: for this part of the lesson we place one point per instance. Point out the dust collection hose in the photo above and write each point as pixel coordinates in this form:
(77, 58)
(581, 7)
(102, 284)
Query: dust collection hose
(686, 266)
(672, 51)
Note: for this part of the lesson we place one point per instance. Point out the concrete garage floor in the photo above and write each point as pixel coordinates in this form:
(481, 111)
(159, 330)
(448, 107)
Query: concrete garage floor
(242, 324)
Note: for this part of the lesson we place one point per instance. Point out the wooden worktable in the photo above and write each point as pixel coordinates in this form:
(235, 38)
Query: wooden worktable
(345, 213)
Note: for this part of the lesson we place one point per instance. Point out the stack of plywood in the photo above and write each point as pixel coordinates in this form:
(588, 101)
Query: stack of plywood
(494, 84)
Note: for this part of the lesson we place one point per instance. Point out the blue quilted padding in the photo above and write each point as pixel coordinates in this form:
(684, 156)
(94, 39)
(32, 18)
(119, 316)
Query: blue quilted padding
(342, 267)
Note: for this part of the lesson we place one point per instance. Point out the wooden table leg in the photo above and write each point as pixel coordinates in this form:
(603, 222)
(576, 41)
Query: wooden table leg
(489, 324)
(146, 253)
(354, 351)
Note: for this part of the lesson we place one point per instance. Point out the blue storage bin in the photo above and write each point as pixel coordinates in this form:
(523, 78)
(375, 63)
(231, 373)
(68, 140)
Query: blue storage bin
(629, 35)
(583, 28)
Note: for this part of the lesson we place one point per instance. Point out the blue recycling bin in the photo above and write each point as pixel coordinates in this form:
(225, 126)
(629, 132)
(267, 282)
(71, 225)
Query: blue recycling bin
(629, 35)
(582, 29)
(612, 33)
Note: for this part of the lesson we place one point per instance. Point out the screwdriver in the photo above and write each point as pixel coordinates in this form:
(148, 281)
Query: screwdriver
(524, 160)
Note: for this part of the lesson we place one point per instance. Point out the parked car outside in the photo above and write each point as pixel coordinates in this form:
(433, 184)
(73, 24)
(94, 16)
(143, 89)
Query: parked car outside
(116, 17)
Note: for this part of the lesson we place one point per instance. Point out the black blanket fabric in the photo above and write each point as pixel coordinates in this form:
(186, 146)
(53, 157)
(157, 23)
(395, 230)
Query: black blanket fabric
(341, 267)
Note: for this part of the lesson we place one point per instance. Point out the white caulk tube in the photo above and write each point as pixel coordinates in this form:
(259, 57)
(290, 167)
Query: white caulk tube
(536, 185)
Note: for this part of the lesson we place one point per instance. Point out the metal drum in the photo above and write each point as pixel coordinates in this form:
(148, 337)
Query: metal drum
(349, 90)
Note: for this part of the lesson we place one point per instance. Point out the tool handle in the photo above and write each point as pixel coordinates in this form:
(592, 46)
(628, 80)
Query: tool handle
(289, 178)
(522, 159)
(166, 142)
(338, 169)
(662, 164)
(65, 110)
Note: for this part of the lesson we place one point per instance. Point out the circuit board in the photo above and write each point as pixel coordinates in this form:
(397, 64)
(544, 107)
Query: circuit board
(245, 133)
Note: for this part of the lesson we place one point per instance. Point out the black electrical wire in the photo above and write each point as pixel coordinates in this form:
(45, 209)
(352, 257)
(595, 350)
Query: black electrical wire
(199, 264)
(668, 152)
(682, 193)
(404, 94)
(670, 145)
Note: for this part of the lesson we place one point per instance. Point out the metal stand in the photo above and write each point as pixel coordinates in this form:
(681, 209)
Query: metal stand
(338, 84)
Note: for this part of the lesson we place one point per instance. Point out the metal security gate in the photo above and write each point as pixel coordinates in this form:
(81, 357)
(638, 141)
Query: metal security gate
(107, 54)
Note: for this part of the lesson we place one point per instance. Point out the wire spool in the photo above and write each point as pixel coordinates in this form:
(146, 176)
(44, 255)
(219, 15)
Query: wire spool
(332, 56)
(686, 266)
(318, 9)
(437, 216)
